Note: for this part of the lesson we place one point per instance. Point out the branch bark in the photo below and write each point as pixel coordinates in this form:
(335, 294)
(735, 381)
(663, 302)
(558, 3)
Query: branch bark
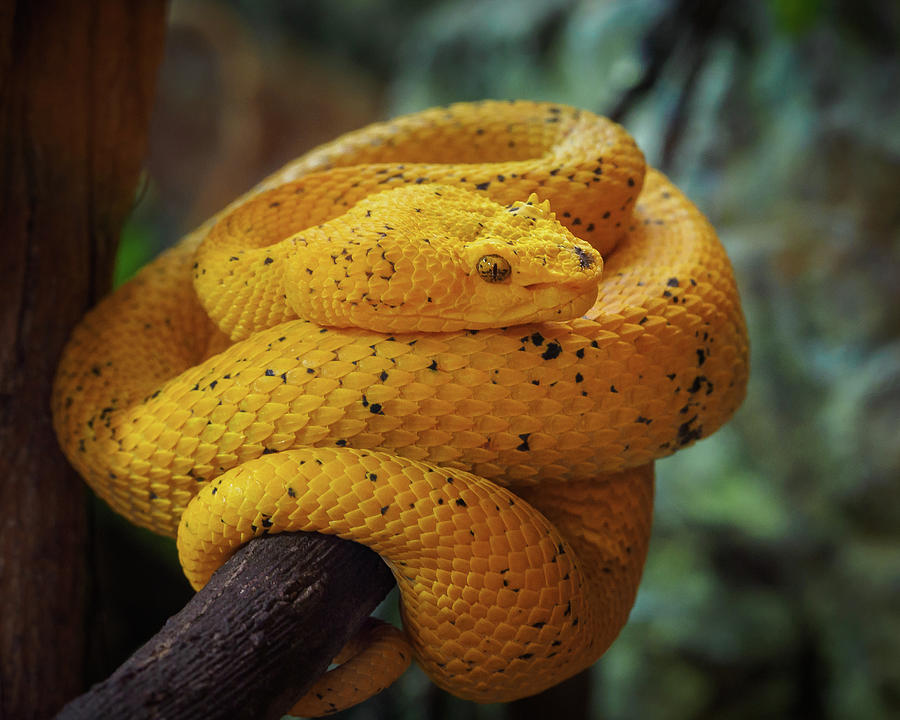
(76, 87)
(252, 641)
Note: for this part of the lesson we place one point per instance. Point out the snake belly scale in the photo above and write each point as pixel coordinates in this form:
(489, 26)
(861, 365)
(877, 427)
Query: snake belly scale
(504, 469)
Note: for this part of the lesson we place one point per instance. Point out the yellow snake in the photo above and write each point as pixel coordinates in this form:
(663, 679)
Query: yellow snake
(392, 335)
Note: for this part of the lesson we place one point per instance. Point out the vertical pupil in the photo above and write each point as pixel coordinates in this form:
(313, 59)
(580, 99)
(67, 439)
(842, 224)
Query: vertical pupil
(493, 268)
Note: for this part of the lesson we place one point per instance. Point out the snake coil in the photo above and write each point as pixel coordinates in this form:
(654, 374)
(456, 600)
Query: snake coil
(460, 337)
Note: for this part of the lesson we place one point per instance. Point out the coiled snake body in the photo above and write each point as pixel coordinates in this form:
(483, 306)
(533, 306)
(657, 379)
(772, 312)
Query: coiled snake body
(404, 338)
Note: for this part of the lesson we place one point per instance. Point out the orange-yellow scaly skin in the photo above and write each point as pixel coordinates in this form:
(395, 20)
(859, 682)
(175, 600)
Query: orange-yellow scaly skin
(376, 656)
(154, 405)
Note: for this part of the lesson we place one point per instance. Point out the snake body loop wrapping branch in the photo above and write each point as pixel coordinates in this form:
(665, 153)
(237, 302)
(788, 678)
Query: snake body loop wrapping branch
(388, 331)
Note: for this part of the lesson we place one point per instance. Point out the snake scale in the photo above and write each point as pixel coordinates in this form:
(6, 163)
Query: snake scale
(460, 337)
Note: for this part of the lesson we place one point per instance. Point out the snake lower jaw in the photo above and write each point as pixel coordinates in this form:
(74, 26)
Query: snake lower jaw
(552, 301)
(548, 310)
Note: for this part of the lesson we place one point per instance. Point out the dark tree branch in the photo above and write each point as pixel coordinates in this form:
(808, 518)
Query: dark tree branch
(76, 85)
(253, 640)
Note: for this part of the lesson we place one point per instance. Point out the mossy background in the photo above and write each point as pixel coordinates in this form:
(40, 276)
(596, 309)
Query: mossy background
(773, 581)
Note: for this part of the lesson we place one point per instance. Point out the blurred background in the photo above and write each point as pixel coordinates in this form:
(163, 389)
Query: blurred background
(772, 587)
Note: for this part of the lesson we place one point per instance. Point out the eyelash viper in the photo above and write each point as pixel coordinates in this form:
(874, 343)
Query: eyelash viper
(403, 436)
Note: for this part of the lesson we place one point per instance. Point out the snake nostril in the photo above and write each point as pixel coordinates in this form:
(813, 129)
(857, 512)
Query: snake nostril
(585, 259)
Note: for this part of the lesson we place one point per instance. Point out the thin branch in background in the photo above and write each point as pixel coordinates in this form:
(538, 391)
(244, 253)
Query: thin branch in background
(658, 47)
(686, 29)
(703, 28)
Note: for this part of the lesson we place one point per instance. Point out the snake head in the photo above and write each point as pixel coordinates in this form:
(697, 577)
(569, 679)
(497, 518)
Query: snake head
(436, 258)
(524, 266)
(497, 265)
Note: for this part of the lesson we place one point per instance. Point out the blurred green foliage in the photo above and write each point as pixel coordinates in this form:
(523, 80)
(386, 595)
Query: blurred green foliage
(135, 251)
(773, 580)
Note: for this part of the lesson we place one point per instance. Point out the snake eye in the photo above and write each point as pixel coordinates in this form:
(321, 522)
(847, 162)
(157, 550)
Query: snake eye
(493, 268)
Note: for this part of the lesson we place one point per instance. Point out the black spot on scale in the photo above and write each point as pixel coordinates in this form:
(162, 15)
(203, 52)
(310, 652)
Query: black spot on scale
(698, 383)
(687, 433)
(268, 261)
(554, 349)
(524, 444)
